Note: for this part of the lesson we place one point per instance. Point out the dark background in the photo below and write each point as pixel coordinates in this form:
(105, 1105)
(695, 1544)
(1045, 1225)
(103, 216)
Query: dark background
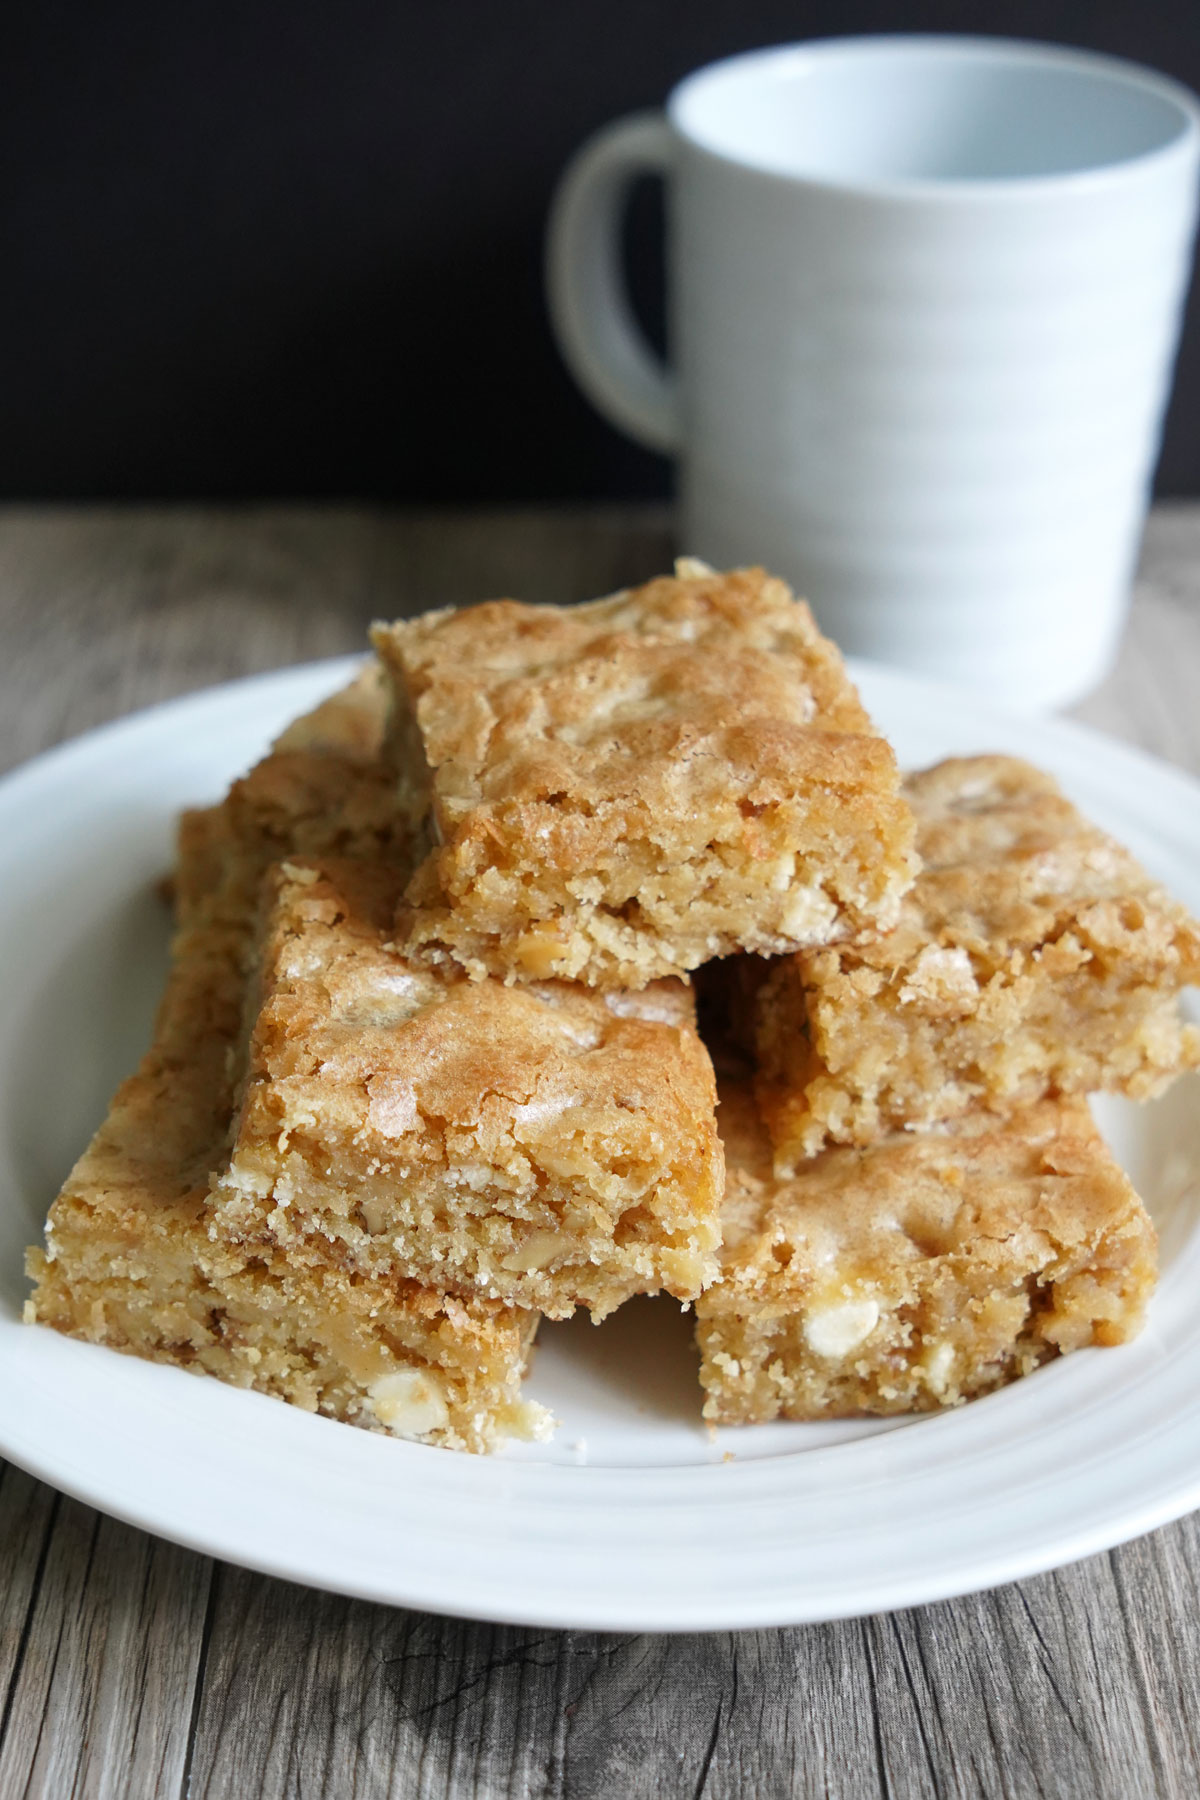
(294, 248)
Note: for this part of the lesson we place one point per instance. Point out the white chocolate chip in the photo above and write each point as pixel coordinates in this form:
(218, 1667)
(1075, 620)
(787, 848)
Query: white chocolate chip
(781, 873)
(939, 1363)
(532, 1422)
(391, 998)
(807, 915)
(544, 1108)
(836, 1330)
(940, 976)
(409, 1402)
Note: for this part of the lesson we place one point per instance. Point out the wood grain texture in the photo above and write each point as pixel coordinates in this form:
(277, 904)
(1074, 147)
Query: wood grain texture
(109, 1646)
(105, 610)
(131, 1668)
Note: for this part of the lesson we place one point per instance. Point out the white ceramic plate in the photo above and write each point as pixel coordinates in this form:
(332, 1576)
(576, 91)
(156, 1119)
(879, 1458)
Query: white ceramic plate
(632, 1519)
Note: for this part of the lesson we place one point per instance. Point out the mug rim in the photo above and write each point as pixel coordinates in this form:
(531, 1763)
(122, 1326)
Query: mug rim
(1182, 144)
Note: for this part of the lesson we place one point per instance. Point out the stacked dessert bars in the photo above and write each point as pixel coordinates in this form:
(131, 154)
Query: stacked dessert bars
(428, 1065)
(919, 1206)
(135, 1256)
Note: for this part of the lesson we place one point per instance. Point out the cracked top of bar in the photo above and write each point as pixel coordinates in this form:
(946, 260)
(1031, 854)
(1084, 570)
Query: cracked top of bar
(1033, 955)
(131, 1259)
(622, 790)
(542, 1144)
(931, 1267)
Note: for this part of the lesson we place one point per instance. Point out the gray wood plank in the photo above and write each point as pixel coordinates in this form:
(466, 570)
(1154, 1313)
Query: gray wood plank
(1157, 1580)
(1012, 1694)
(1038, 1689)
(100, 1699)
(1151, 697)
(106, 610)
(130, 1667)
(409, 1704)
(27, 1513)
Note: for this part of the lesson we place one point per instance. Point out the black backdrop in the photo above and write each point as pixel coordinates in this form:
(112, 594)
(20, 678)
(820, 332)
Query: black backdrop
(293, 247)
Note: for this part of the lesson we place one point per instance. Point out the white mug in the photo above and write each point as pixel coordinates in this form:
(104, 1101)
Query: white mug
(924, 304)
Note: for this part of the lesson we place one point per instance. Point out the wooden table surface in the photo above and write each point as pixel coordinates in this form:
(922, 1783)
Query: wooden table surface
(131, 1668)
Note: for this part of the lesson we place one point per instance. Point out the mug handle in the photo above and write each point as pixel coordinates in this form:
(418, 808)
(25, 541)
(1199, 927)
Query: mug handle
(600, 340)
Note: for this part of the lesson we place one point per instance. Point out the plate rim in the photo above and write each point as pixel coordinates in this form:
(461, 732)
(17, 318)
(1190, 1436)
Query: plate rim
(309, 680)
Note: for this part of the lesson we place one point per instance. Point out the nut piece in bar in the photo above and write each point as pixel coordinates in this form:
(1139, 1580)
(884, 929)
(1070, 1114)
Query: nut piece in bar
(130, 1260)
(622, 790)
(921, 1272)
(1033, 956)
(541, 1144)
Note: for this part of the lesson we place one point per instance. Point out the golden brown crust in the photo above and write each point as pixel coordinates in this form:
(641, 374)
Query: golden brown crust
(922, 1271)
(352, 723)
(542, 1144)
(1033, 956)
(131, 1260)
(625, 789)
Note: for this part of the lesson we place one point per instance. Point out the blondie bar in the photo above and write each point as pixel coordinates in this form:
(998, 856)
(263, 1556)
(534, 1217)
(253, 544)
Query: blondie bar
(918, 1273)
(621, 790)
(324, 788)
(542, 1144)
(1033, 956)
(131, 1259)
